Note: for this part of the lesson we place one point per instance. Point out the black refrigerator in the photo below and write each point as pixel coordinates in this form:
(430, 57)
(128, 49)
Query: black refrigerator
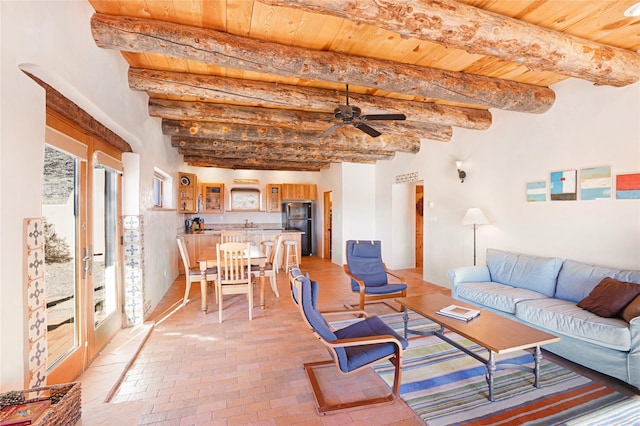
(299, 216)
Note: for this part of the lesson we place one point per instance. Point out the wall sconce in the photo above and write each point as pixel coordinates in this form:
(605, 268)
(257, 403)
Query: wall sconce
(461, 173)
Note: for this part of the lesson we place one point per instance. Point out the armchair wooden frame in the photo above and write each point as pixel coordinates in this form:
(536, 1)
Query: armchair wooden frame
(395, 358)
(365, 298)
(374, 293)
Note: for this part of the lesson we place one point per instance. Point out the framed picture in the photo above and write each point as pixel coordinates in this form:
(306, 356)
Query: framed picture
(563, 185)
(595, 183)
(536, 191)
(628, 186)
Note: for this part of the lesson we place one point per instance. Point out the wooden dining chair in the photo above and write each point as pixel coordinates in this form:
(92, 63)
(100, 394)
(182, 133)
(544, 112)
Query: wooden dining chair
(271, 268)
(234, 273)
(193, 273)
(231, 237)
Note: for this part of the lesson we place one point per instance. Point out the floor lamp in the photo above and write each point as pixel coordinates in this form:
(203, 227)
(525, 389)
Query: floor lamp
(474, 217)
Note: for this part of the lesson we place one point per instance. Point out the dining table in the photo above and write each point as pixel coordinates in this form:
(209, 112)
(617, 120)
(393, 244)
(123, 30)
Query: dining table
(208, 259)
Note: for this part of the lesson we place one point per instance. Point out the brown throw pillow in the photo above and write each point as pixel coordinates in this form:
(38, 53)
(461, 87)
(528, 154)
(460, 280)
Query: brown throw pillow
(609, 297)
(632, 310)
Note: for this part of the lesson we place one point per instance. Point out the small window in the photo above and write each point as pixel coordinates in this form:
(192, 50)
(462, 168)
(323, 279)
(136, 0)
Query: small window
(161, 189)
(158, 182)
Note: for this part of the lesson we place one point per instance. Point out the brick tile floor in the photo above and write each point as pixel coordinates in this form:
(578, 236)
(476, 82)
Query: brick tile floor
(193, 370)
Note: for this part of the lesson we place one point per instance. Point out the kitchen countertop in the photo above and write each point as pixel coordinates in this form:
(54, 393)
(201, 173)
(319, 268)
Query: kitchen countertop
(249, 230)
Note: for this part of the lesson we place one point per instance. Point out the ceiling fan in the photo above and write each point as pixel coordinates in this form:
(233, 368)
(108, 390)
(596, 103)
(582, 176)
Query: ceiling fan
(352, 115)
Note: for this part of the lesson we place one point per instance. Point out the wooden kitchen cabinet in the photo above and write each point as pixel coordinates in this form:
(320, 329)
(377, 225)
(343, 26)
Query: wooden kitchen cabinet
(274, 198)
(212, 197)
(299, 191)
(187, 193)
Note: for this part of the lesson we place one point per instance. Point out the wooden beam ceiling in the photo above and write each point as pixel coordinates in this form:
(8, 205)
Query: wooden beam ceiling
(201, 114)
(230, 51)
(248, 92)
(251, 84)
(455, 24)
(281, 134)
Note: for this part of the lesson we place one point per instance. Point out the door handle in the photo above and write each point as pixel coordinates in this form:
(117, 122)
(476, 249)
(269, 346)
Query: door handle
(87, 261)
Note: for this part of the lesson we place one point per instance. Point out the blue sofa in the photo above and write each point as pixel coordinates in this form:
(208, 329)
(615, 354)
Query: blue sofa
(544, 293)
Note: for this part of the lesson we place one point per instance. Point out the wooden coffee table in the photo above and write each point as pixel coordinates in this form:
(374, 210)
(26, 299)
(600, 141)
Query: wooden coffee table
(493, 332)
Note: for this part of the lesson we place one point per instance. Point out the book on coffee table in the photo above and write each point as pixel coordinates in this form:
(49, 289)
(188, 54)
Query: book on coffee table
(459, 312)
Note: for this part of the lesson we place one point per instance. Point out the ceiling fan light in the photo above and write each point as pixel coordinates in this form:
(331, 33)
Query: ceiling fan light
(633, 10)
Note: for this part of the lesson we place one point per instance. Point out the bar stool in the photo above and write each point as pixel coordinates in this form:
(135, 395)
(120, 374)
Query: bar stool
(291, 255)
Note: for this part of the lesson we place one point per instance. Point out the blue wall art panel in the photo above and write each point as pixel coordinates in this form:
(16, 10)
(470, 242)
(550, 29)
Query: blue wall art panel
(595, 183)
(563, 185)
(536, 191)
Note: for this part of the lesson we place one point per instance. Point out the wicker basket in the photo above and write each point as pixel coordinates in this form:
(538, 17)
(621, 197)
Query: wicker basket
(66, 405)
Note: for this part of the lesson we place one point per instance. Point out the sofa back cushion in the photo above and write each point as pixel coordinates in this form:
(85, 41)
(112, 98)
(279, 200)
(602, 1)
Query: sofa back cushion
(576, 280)
(518, 270)
(629, 276)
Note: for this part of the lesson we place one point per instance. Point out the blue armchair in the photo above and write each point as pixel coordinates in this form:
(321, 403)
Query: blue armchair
(369, 275)
(352, 348)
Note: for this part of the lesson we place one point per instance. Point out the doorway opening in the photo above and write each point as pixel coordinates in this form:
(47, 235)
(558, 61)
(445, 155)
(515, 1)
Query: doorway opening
(419, 215)
(328, 216)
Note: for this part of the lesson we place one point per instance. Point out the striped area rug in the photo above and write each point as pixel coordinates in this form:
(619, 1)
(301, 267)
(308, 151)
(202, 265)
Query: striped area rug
(447, 387)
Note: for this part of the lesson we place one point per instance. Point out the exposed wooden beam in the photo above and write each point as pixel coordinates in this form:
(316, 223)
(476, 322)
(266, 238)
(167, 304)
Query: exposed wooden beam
(240, 91)
(382, 143)
(230, 51)
(257, 133)
(57, 102)
(275, 150)
(474, 30)
(270, 156)
(253, 164)
(301, 120)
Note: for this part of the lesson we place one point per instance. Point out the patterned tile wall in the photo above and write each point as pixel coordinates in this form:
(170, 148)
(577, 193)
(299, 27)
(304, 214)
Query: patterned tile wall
(36, 304)
(134, 269)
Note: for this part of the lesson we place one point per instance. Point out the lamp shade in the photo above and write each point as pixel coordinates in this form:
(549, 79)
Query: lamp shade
(474, 216)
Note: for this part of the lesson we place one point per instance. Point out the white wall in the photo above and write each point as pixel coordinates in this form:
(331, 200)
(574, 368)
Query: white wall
(358, 204)
(353, 203)
(331, 180)
(588, 126)
(403, 226)
(53, 41)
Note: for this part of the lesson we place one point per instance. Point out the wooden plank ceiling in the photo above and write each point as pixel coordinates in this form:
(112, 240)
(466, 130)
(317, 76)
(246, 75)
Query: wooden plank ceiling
(252, 84)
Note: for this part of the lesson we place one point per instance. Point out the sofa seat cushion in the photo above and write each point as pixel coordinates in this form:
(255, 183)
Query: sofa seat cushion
(567, 318)
(498, 296)
(538, 274)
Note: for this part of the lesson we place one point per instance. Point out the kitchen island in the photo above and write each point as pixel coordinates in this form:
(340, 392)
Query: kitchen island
(206, 240)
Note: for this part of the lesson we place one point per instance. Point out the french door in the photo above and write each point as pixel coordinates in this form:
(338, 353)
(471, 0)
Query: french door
(82, 251)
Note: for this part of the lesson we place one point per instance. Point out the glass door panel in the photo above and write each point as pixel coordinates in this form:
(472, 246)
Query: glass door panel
(105, 248)
(60, 209)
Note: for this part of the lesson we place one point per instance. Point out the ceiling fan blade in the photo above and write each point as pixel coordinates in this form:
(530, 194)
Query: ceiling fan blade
(385, 117)
(330, 129)
(368, 129)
